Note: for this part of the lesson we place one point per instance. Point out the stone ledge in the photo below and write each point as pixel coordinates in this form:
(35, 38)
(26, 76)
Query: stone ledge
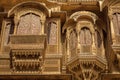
(109, 76)
(36, 76)
(4, 56)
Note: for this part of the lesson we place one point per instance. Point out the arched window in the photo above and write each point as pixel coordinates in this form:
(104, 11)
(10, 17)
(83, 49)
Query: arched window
(52, 33)
(85, 36)
(73, 42)
(29, 24)
(98, 40)
(116, 22)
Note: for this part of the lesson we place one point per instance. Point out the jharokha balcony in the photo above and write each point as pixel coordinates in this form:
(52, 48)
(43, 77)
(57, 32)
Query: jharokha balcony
(26, 58)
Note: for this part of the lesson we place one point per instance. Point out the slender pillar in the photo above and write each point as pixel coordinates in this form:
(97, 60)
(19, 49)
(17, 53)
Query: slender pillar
(78, 38)
(93, 45)
(42, 26)
(15, 22)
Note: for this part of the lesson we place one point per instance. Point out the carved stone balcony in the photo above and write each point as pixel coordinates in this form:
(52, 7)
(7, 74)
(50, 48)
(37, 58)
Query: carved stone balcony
(27, 53)
(87, 67)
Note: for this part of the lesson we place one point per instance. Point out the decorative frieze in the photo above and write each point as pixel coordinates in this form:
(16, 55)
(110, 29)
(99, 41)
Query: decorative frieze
(26, 60)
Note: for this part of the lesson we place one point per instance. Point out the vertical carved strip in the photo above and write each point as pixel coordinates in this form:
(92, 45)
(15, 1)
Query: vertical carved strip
(112, 30)
(15, 22)
(68, 46)
(115, 23)
(82, 37)
(42, 26)
(6, 30)
(93, 45)
(118, 22)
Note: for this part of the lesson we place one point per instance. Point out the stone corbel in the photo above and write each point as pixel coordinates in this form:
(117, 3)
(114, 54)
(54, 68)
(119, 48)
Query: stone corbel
(100, 4)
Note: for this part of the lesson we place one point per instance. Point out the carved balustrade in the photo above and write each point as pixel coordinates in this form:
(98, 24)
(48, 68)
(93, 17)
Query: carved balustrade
(27, 53)
(27, 61)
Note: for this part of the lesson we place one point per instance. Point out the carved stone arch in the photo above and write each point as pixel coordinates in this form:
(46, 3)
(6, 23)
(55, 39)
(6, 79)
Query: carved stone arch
(84, 14)
(28, 23)
(70, 23)
(113, 3)
(85, 36)
(24, 11)
(40, 17)
(85, 23)
(79, 16)
(35, 8)
(30, 4)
